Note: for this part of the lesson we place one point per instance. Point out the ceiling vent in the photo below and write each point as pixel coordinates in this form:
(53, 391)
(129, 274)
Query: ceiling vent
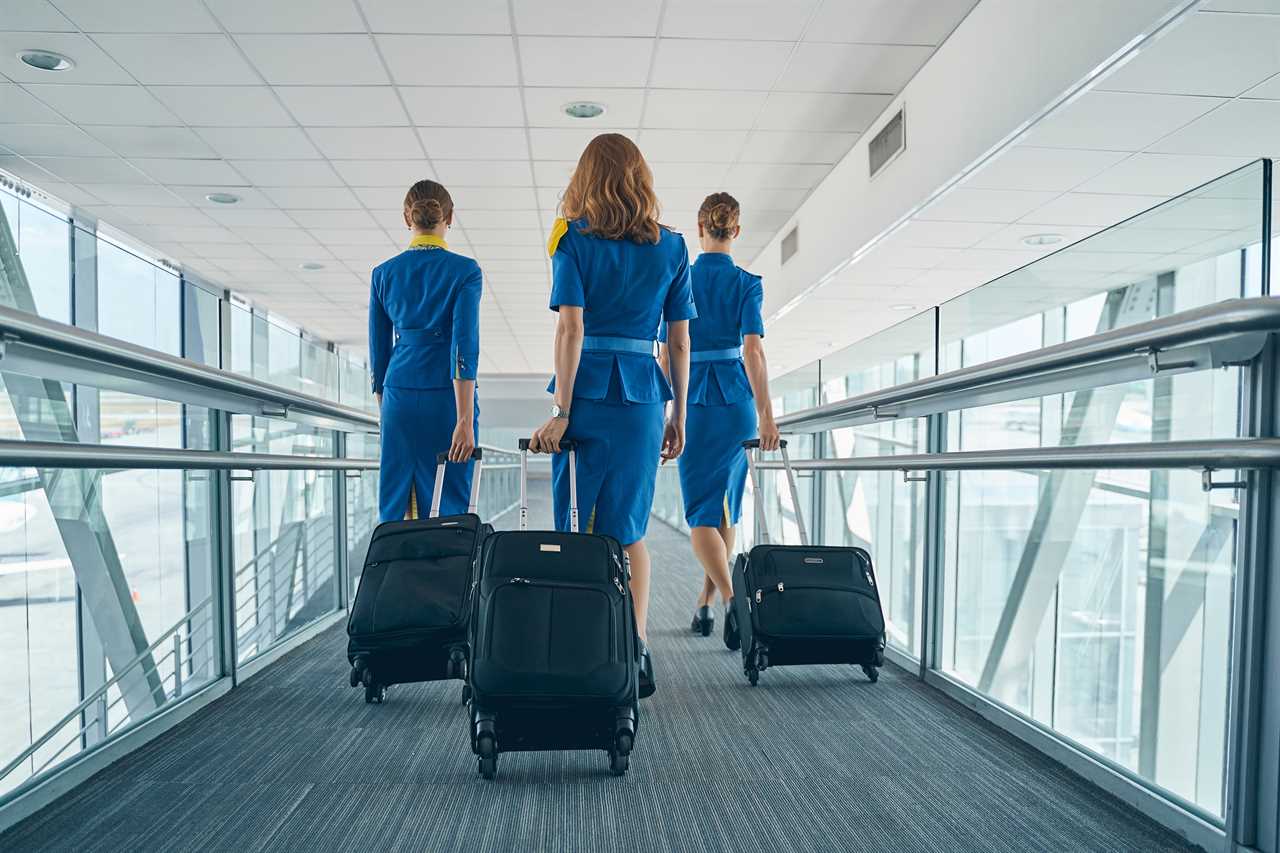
(888, 143)
(790, 244)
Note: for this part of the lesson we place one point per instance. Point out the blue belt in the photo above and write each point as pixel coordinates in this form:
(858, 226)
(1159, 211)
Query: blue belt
(730, 354)
(418, 337)
(605, 343)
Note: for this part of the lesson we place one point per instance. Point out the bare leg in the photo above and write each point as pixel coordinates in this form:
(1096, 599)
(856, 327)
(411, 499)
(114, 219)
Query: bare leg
(727, 532)
(708, 591)
(709, 548)
(638, 554)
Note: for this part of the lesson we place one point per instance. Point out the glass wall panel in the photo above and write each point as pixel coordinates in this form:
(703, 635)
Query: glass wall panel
(138, 301)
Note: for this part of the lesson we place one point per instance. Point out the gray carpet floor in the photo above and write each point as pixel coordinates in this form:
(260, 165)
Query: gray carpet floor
(815, 758)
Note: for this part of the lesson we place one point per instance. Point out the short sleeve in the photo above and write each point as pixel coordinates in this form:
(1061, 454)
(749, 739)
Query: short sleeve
(679, 303)
(566, 277)
(752, 321)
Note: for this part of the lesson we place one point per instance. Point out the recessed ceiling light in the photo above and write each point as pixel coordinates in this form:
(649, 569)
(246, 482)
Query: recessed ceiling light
(311, 266)
(46, 60)
(223, 198)
(1042, 239)
(902, 307)
(583, 109)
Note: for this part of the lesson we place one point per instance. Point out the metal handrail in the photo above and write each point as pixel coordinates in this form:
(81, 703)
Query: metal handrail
(1206, 455)
(52, 454)
(1235, 327)
(93, 697)
(50, 350)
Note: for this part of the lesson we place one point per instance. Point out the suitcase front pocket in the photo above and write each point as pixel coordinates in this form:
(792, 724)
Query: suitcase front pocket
(817, 611)
(419, 594)
(557, 629)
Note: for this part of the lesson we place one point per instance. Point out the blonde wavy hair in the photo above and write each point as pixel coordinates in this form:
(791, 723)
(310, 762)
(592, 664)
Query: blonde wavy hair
(612, 189)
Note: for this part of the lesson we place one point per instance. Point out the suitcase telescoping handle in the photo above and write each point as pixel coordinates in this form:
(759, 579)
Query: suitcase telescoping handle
(752, 449)
(441, 460)
(566, 446)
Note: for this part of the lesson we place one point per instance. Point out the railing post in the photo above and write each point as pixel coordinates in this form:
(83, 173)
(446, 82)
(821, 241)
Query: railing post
(221, 503)
(177, 663)
(931, 587)
(103, 728)
(341, 534)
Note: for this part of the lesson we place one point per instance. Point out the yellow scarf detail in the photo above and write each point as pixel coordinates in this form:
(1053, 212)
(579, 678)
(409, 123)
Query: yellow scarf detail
(558, 230)
(428, 241)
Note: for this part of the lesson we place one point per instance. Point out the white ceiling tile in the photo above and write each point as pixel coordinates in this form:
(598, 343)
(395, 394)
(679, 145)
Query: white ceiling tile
(93, 65)
(1090, 209)
(35, 16)
(484, 173)
(351, 236)
(332, 219)
(1269, 89)
(156, 215)
(197, 233)
(1248, 128)
(942, 235)
(675, 108)
(1118, 121)
(781, 20)
(196, 194)
(1026, 167)
(383, 173)
(545, 106)
(479, 237)
(314, 16)
(250, 218)
(510, 253)
(464, 106)
(135, 194)
(780, 146)
(180, 59)
(598, 18)
(549, 197)
(288, 173)
(53, 139)
(335, 59)
(224, 106)
(315, 198)
(683, 63)
(168, 170)
(22, 108)
(384, 198)
(565, 144)
(500, 219)
(454, 60)
(771, 176)
(884, 68)
(1011, 237)
(245, 143)
(821, 112)
(1161, 174)
(224, 251)
(407, 16)
(679, 175)
(152, 141)
(596, 61)
(91, 170)
(771, 199)
(139, 16)
(486, 143)
(102, 104)
(1189, 60)
(1261, 7)
(683, 146)
(302, 248)
(345, 106)
(553, 173)
(493, 198)
(354, 143)
(966, 204)
(888, 21)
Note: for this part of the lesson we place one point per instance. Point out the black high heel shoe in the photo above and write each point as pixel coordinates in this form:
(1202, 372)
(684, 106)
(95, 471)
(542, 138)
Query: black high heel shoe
(647, 684)
(732, 641)
(704, 620)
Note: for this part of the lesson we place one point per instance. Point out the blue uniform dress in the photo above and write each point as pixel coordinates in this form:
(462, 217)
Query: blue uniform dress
(722, 414)
(627, 291)
(424, 332)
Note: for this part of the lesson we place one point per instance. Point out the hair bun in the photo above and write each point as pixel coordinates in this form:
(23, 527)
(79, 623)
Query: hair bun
(427, 204)
(718, 215)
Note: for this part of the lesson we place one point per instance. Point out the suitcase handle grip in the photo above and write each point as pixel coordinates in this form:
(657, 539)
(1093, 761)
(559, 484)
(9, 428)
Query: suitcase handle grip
(566, 444)
(753, 443)
(442, 458)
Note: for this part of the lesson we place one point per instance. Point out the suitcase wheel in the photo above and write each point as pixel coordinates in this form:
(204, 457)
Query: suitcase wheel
(872, 673)
(354, 678)
(374, 693)
(618, 763)
(359, 669)
(487, 749)
(753, 675)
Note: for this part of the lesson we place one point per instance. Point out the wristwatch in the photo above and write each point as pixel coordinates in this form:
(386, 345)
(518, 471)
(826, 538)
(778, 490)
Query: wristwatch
(557, 412)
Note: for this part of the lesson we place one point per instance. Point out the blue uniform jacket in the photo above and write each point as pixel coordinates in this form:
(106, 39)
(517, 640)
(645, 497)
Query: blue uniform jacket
(626, 290)
(424, 318)
(729, 302)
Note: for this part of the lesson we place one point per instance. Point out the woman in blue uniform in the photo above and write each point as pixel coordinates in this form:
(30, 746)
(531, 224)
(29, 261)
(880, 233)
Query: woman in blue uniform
(424, 343)
(617, 277)
(728, 402)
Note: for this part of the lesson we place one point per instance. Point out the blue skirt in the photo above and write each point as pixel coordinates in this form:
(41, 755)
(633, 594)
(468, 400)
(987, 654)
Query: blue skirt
(713, 467)
(417, 423)
(618, 445)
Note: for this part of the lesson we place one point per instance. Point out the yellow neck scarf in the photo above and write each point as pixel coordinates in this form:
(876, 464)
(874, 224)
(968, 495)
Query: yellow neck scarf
(428, 241)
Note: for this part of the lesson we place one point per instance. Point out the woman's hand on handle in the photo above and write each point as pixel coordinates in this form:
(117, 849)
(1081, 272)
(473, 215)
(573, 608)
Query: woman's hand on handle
(769, 435)
(546, 438)
(672, 440)
(464, 442)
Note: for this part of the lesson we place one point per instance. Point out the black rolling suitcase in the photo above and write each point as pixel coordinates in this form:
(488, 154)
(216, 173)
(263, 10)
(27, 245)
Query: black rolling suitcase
(805, 604)
(409, 620)
(554, 643)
